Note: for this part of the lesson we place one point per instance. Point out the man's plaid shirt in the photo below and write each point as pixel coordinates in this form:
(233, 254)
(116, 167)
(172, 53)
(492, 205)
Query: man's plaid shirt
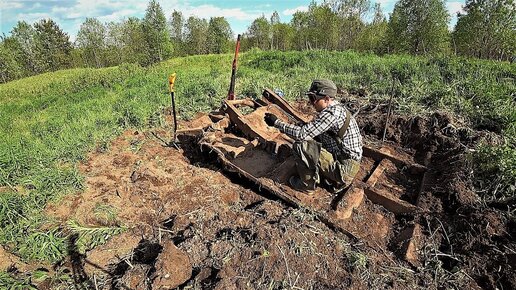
(331, 119)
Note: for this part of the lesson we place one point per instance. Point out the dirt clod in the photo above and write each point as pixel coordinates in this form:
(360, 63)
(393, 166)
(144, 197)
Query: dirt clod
(173, 268)
(135, 278)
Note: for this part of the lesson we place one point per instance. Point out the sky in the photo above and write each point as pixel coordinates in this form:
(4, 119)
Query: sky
(70, 14)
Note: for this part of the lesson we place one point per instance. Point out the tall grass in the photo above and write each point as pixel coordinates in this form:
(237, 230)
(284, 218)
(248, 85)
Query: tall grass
(48, 122)
(483, 91)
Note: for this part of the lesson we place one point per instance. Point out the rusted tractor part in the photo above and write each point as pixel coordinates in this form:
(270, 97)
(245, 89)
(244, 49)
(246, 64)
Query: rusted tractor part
(386, 187)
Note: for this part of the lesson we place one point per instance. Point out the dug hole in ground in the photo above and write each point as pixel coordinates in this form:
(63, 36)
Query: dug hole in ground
(193, 224)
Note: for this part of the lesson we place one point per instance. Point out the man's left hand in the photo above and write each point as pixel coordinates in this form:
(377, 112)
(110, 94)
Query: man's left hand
(270, 119)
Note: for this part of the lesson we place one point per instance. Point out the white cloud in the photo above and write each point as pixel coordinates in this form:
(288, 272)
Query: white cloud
(454, 7)
(208, 11)
(33, 17)
(5, 5)
(294, 10)
(117, 15)
(87, 8)
(383, 2)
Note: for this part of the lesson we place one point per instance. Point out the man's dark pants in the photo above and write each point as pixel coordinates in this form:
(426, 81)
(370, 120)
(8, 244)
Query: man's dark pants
(314, 162)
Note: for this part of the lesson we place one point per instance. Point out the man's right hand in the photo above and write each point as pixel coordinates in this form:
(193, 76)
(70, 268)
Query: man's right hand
(270, 119)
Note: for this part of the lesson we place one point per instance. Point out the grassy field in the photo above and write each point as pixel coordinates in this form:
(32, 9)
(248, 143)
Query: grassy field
(49, 122)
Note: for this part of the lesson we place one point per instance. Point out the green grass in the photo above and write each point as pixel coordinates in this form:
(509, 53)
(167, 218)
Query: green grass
(9, 282)
(105, 214)
(49, 122)
(87, 238)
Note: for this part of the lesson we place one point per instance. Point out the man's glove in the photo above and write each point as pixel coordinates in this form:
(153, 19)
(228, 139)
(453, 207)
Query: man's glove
(270, 119)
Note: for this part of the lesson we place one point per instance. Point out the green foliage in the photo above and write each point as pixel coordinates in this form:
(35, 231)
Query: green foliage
(105, 214)
(56, 280)
(91, 38)
(52, 46)
(258, 33)
(23, 37)
(43, 245)
(10, 68)
(487, 29)
(86, 238)
(9, 282)
(177, 22)
(133, 44)
(26, 232)
(372, 37)
(156, 34)
(219, 34)
(418, 27)
(196, 30)
(495, 171)
(357, 260)
(479, 90)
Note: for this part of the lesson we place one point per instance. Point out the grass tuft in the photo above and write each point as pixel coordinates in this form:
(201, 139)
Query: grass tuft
(87, 238)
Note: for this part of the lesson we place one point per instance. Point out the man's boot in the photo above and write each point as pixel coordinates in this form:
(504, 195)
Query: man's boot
(297, 184)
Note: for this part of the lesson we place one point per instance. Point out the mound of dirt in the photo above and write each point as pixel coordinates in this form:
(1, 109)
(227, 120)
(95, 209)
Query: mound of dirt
(211, 230)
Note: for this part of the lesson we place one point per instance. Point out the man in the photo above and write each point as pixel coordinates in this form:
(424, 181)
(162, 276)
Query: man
(337, 157)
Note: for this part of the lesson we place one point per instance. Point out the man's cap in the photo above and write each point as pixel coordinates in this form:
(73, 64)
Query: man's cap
(323, 87)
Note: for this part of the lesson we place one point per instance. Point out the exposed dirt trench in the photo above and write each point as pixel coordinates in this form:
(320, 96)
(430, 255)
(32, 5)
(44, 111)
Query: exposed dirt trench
(191, 225)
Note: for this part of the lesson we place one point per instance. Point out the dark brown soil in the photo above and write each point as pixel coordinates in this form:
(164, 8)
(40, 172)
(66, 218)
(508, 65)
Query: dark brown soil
(227, 234)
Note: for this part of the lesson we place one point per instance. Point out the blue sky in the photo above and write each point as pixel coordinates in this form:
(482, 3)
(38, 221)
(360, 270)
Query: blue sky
(70, 14)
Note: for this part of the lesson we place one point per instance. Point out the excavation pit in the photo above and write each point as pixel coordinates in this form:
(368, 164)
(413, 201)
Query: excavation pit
(373, 209)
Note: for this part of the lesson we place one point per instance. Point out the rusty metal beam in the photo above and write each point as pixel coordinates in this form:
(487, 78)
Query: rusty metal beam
(238, 119)
(329, 220)
(353, 198)
(378, 171)
(390, 202)
(378, 155)
(243, 102)
(284, 105)
(229, 166)
(409, 239)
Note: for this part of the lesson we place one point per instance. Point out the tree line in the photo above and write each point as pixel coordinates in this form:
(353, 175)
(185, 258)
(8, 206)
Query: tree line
(486, 29)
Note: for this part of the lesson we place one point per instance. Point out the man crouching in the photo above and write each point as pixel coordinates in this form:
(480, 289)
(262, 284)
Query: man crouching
(336, 157)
